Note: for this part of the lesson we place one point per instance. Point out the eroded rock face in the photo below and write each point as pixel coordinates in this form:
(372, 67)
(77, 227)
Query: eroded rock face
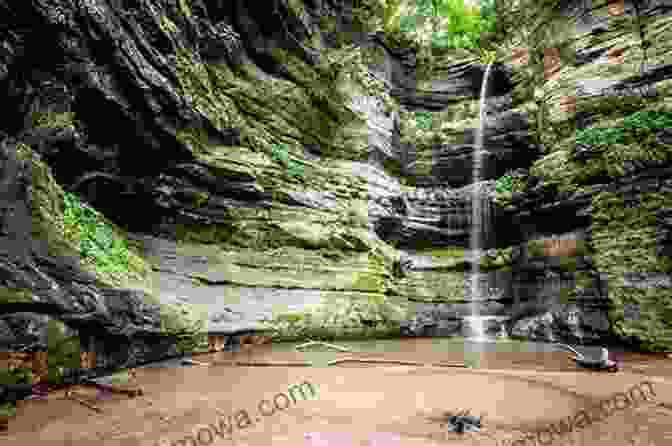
(506, 147)
(174, 107)
(37, 283)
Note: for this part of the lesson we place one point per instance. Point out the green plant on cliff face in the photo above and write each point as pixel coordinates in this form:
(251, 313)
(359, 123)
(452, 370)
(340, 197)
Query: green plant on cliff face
(509, 183)
(504, 184)
(648, 120)
(280, 153)
(599, 136)
(423, 120)
(53, 120)
(97, 241)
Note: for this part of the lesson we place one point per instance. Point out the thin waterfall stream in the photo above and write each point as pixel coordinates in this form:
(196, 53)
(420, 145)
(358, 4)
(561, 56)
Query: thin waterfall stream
(476, 322)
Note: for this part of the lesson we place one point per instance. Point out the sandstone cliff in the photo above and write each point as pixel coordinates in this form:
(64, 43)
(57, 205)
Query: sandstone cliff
(172, 168)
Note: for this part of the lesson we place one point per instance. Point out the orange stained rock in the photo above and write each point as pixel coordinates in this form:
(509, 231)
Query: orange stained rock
(216, 343)
(616, 8)
(568, 104)
(616, 56)
(556, 248)
(87, 360)
(552, 63)
(521, 56)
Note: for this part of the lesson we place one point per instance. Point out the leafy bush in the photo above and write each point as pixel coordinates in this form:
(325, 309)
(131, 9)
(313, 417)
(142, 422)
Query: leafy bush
(280, 153)
(423, 119)
(466, 23)
(510, 182)
(599, 136)
(640, 120)
(648, 120)
(54, 119)
(504, 184)
(97, 240)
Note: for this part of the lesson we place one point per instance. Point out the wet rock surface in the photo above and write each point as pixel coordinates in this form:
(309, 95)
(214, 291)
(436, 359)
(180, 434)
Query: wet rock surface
(133, 109)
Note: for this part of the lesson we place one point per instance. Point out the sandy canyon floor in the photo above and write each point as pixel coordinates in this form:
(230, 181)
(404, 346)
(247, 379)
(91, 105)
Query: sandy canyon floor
(357, 403)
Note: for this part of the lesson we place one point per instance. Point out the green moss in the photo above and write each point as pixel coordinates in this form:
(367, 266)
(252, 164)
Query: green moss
(201, 199)
(7, 409)
(535, 248)
(19, 375)
(342, 316)
(446, 252)
(15, 295)
(202, 233)
(357, 214)
(63, 352)
(187, 323)
(625, 241)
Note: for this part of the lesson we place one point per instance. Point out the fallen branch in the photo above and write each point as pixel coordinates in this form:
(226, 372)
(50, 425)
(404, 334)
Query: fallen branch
(393, 361)
(578, 354)
(130, 392)
(383, 361)
(71, 395)
(192, 362)
(338, 361)
(326, 344)
(267, 364)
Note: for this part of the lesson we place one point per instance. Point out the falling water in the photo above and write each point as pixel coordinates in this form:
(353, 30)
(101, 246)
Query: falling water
(478, 327)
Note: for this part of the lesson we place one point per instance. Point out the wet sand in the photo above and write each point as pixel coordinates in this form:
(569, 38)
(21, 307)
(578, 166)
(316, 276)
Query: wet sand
(515, 391)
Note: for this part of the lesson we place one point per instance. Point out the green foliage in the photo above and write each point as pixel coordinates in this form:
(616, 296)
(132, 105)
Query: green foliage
(638, 120)
(648, 120)
(55, 120)
(466, 24)
(509, 183)
(423, 119)
(279, 153)
(504, 184)
(599, 136)
(97, 241)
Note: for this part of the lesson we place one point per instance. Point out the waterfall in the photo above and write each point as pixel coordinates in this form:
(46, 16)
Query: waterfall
(477, 222)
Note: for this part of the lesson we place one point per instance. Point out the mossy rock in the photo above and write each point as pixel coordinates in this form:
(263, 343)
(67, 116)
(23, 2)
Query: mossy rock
(15, 295)
(446, 252)
(63, 351)
(625, 241)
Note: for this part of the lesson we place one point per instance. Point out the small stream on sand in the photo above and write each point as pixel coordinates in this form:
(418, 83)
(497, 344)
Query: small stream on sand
(489, 353)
